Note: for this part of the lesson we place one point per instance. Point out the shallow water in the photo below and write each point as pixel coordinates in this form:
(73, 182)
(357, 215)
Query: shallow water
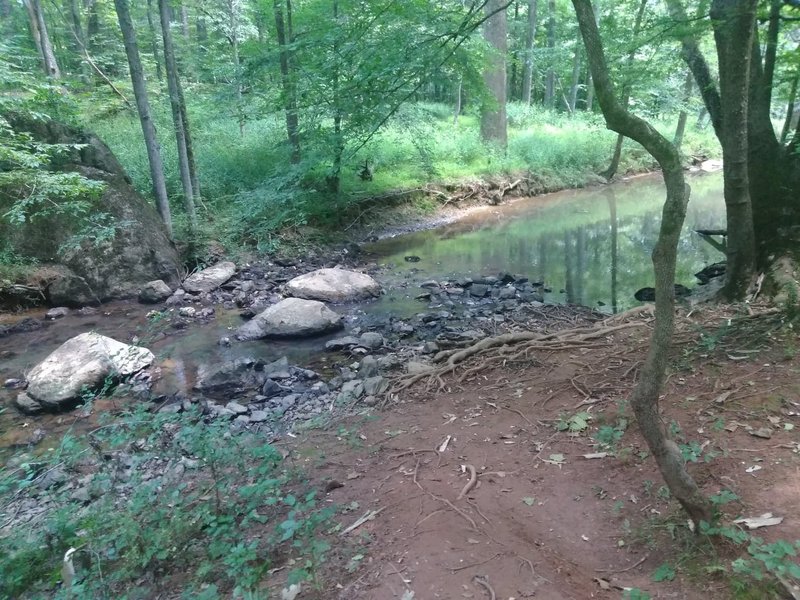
(589, 247)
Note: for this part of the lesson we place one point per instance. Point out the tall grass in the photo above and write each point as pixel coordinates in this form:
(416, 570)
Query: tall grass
(251, 192)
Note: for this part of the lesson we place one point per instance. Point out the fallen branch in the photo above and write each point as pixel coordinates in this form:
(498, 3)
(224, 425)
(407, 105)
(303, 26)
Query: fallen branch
(473, 479)
(367, 516)
(484, 583)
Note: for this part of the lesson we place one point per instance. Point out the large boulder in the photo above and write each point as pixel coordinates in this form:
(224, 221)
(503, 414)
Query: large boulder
(292, 317)
(334, 285)
(209, 279)
(134, 247)
(83, 362)
(154, 291)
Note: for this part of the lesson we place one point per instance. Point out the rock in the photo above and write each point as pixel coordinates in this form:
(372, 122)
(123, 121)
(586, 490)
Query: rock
(710, 272)
(291, 317)
(430, 348)
(209, 279)
(272, 388)
(236, 408)
(230, 379)
(27, 404)
(351, 391)
(258, 416)
(154, 291)
(368, 367)
(278, 369)
(375, 386)
(187, 311)
(334, 285)
(412, 258)
(83, 362)
(56, 313)
(479, 290)
(177, 298)
(23, 326)
(418, 368)
(648, 294)
(14, 384)
(429, 284)
(370, 401)
(341, 343)
(371, 340)
(507, 293)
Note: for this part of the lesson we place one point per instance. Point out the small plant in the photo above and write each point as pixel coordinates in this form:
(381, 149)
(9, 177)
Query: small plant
(608, 436)
(575, 424)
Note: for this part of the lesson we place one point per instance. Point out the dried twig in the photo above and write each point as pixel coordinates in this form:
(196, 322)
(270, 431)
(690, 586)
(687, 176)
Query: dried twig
(473, 479)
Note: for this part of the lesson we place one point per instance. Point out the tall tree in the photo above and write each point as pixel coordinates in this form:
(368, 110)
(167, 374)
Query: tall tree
(145, 116)
(530, 36)
(41, 38)
(680, 128)
(645, 398)
(154, 40)
(550, 78)
(179, 119)
(494, 122)
(734, 23)
(283, 30)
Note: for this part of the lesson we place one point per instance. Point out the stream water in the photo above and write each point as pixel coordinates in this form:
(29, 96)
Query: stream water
(589, 247)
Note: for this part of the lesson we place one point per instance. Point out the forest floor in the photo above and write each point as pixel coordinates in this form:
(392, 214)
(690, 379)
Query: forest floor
(567, 503)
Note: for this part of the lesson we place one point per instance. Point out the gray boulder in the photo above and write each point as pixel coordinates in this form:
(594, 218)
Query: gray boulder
(334, 285)
(209, 279)
(154, 291)
(83, 362)
(291, 317)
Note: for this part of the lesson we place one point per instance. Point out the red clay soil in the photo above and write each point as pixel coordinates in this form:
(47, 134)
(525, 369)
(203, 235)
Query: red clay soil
(543, 520)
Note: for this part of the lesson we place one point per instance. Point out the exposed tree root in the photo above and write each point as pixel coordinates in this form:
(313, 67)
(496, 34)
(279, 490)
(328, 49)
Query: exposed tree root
(510, 347)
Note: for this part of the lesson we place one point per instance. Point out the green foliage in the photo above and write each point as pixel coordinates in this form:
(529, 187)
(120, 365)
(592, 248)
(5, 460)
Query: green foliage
(635, 594)
(665, 572)
(167, 490)
(574, 424)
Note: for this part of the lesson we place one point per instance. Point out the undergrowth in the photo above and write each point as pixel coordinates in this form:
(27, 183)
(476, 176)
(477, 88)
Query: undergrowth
(155, 503)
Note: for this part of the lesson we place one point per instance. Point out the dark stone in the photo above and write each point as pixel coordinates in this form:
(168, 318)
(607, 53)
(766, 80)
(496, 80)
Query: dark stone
(648, 294)
(24, 326)
(412, 259)
(710, 272)
(479, 290)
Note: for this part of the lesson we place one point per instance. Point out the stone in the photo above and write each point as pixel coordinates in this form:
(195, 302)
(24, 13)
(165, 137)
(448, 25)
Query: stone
(27, 404)
(25, 325)
(370, 401)
(272, 388)
(371, 340)
(375, 386)
(14, 383)
(368, 366)
(83, 362)
(334, 285)
(56, 313)
(341, 343)
(430, 348)
(237, 408)
(278, 369)
(292, 317)
(187, 311)
(258, 416)
(154, 291)
(177, 298)
(479, 290)
(418, 368)
(351, 391)
(230, 379)
(210, 278)
(507, 293)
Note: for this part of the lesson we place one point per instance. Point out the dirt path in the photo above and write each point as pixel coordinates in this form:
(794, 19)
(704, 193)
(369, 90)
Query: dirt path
(544, 520)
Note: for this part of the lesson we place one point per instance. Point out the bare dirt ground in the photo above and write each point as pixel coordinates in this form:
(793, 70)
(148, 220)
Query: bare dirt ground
(544, 518)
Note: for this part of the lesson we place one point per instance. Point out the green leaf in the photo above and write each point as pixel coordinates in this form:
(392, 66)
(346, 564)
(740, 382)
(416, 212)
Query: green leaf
(529, 500)
(664, 573)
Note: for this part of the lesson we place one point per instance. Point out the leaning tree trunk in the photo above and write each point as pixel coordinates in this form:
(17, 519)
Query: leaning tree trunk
(178, 114)
(645, 399)
(145, 117)
(494, 125)
(41, 38)
(734, 22)
(530, 35)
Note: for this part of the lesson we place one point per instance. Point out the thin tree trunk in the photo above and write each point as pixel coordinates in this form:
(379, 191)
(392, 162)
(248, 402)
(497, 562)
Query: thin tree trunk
(550, 79)
(530, 36)
(734, 23)
(626, 94)
(178, 114)
(287, 78)
(494, 123)
(334, 182)
(645, 398)
(78, 39)
(576, 75)
(787, 123)
(684, 115)
(612, 213)
(187, 133)
(457, 110)
(234, 41)
(184, 21)
(143, 105)
(92, 24)
(42, 39)
(513, 58)
(154, 39)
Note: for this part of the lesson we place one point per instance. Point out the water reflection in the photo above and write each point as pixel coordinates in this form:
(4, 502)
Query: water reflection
(589, 247)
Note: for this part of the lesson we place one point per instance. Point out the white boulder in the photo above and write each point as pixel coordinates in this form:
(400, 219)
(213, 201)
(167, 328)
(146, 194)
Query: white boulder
(334, 285)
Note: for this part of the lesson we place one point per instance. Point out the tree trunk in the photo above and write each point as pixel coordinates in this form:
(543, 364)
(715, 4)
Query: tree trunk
(143, 106)
(612, 214)
(734, 23)
(233, 27)
(684, 115)
(334, 181)
(530, 36)
(494, 127)
(92, 24)
(42, 39)
(154, 38)
(787, 123)
(288, 77)
(457, 110)
(576, 76)
(550, 79)
(645, 399)
(178, 114)
(184, 21)
(79, 42)
(626, 94)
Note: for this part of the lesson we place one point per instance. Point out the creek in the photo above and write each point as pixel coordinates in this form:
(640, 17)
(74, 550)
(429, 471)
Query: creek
(588, 247)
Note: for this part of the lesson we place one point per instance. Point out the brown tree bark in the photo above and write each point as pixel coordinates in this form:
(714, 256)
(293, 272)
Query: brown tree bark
(550, 78)
(494, 125)
(680, 129)
(42, 38)
(283, 30)
(145, 117)
(530, 36)
(645, 399)
(178, 114)
(790, 109)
